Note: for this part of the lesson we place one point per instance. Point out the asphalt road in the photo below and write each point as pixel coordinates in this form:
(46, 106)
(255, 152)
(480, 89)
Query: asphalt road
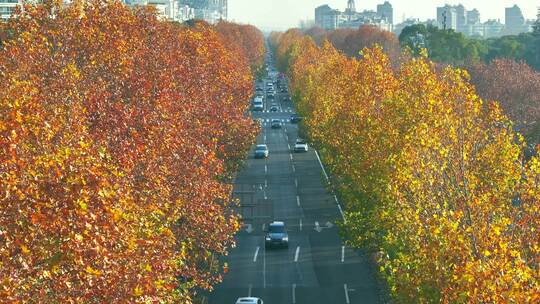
(288, 186)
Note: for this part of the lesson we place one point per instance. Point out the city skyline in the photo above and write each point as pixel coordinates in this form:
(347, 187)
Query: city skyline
(283, 14)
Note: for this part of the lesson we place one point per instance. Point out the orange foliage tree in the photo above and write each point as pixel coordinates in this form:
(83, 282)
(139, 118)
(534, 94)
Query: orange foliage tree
(432, 175)
(247, 40)
(117, 132)
(516, 86)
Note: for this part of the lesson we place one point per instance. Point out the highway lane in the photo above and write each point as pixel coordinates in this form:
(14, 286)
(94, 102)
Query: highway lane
(288, 186)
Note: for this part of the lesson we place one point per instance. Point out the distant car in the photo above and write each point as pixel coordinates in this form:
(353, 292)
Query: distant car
(295, 118)
(261, 151)
(258, 98)
(276, 124)
(270, 95)
(300, 145)
(276, 235)
(287, 98)
(274, 108)
(258, 106)
(283, 90)
(249, 300)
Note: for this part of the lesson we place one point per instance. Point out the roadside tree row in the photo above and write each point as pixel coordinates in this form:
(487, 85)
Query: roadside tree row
(432, 176)
(118, 135)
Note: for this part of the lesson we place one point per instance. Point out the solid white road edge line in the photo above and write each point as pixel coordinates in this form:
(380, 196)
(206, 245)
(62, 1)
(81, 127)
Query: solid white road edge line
(294, 293)
(296, 253)
(249, 290)
(327, 179)
(346, 294)
(256, 254)
(342, 254)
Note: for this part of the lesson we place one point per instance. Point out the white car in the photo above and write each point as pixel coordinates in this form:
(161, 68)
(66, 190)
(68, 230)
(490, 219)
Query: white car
(300, 146)
(249, 300)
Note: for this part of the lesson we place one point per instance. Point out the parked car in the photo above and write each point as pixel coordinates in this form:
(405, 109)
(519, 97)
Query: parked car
(300, 145)
(276, 235)
(249, 300)
(276, 124)
(295, 118)
(261, 151)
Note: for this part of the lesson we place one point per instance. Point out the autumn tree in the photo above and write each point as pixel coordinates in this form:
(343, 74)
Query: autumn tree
(517, 88)
(431, 175)
(116, 138)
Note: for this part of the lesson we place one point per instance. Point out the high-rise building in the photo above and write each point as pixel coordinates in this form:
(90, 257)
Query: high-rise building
(447, 17)
(7, 7)
(473, 17)
(514, 21)
(351, 7)
(461, 15)
(326, 17)
(386, 11)
(209, 10)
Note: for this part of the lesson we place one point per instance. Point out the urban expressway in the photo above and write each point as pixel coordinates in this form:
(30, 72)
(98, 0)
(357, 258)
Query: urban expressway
(316, 268)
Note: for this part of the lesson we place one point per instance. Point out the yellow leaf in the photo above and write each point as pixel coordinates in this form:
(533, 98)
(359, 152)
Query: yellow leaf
(137, 291)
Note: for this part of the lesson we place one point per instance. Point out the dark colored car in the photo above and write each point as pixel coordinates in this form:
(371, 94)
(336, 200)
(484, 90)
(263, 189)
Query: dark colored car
(276, 236)
(276, 124)
(295, 118)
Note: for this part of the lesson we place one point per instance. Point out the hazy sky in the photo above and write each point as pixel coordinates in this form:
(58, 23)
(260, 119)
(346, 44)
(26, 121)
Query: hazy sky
(281, 14)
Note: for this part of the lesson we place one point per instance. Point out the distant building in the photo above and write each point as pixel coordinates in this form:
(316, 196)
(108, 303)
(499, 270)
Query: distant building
(514, 21)
(7, 7)
(492, 28)
(210, 11)
(329, 19)
(473, 17)
(166, 9)
(398, 28)
(461, 18)
(447, 17)
(326, 17)
(386, 11)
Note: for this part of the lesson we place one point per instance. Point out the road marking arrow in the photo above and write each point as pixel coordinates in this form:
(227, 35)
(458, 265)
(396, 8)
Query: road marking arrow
(318, 227)
(249, 228)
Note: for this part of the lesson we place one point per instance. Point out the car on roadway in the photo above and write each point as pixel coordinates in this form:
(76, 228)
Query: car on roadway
(258, 106)
(249, 300)
(300, 145)
(276, 235)
(295, 118)
(276, 124)
(274, 108)
(261, 151)
(283, 90)
(270, 96)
